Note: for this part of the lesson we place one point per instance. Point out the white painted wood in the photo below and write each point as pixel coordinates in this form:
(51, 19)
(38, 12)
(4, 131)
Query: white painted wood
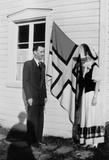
(76, 21)
(68, 2)
(29, 13)
(80, 27)
(107, 63)
(12, 50)
(103, 51)
(49, 21)
(77, 13)
(84, 6)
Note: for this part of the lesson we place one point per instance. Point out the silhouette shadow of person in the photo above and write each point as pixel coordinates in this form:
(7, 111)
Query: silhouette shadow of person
(17, 139)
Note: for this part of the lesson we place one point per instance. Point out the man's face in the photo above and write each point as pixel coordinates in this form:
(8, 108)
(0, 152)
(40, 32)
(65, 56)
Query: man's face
(39, 53)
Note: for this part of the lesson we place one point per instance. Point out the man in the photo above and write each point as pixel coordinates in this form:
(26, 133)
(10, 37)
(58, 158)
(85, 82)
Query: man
(35, 93)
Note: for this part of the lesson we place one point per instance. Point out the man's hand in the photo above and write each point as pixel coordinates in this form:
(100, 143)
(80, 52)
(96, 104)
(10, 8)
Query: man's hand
(30, 101)
(45, 100)
(45, 104)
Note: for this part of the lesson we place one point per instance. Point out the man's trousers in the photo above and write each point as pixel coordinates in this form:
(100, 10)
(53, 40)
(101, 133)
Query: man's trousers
(35, 122)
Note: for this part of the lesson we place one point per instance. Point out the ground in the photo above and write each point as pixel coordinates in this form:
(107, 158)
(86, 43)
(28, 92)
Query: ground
(56, 149)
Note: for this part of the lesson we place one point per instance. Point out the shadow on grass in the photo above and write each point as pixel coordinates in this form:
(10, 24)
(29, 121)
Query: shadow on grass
(75, 154)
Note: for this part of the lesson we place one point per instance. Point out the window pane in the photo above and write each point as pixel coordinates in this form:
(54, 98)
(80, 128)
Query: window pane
(22, 56)
(22, 46)
(19, 71)
(23, 34)
(39, 32)
(42, 44)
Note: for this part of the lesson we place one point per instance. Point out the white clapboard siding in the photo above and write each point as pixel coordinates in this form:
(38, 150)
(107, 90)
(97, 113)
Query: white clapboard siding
(4, 35)
(78, 14)
(80, 27)
(104, 40)
(69, 8)
(76, 21)
(79, 19)
(7, 4)
(107, 62)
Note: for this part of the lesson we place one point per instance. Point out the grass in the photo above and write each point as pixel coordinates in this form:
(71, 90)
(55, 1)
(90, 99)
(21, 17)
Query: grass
(58, 141)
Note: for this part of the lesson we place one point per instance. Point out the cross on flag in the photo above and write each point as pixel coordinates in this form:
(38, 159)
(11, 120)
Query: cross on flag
(60, 68)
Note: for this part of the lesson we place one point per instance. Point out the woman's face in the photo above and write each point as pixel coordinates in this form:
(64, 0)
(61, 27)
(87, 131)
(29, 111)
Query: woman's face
(87, 61)
(85, 58)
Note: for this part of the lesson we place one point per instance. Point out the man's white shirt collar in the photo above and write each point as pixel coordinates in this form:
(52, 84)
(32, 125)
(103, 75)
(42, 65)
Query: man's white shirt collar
(37, 62)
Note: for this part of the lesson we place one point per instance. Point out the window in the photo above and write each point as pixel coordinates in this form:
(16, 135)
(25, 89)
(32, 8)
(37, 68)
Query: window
(29, 35)
(27, 28)
(22, 48)
(39, 33)
(23, 36)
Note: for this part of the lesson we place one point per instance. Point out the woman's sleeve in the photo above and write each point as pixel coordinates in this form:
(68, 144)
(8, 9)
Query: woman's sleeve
(96, 74)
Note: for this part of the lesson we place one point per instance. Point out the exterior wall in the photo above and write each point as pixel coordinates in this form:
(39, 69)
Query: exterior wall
(107, 63)
(10, 102)
(80, 20)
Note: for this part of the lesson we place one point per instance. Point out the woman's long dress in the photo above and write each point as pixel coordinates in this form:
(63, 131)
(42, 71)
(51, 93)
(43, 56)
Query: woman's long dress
(92, 121)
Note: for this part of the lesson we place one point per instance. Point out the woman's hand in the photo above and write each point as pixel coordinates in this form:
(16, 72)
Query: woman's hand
(94, 101)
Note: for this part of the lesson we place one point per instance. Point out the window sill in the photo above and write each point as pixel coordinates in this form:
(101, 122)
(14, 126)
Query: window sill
(14, 84)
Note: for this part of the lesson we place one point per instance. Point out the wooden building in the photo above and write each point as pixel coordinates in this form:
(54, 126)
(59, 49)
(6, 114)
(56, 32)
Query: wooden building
(83, 21)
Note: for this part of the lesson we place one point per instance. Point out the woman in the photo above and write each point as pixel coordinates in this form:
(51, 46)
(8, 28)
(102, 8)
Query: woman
(91, 125)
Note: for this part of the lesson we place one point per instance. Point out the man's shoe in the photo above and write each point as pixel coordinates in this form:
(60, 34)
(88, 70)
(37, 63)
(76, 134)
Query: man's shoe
(35, 146)
(42, 144)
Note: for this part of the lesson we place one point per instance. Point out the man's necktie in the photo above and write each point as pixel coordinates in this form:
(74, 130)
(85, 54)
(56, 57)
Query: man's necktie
(42, 69)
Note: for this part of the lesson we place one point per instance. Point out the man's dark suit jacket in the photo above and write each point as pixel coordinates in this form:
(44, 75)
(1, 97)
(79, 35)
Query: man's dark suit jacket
(34, 82)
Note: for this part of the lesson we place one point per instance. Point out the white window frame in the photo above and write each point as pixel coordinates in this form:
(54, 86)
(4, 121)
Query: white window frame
(26, 15)
(31, 32)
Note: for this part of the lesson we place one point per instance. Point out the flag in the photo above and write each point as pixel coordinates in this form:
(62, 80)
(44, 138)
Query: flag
(61, 69)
